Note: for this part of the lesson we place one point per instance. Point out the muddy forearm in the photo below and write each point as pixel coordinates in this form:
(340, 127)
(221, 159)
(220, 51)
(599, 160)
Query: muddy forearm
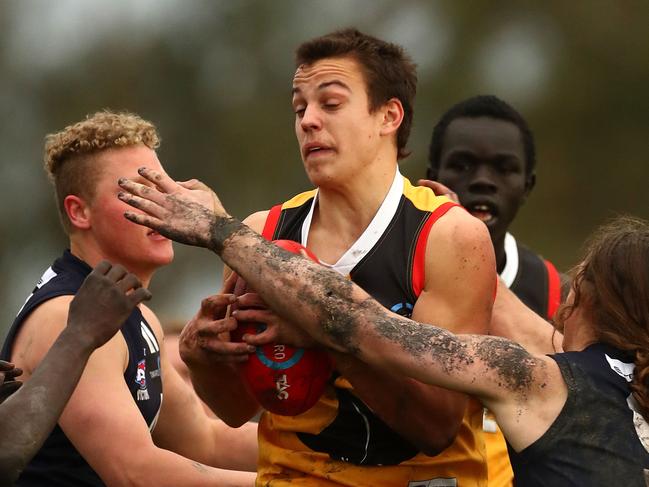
(28, 416)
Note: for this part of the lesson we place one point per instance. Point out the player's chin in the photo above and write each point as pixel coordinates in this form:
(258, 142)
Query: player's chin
(162, 256)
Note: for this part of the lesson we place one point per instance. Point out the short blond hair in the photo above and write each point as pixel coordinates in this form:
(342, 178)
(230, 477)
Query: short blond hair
(70, 153)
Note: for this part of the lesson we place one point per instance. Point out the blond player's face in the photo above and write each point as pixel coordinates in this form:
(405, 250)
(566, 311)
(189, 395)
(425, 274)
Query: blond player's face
(337, 134)
(121, 241)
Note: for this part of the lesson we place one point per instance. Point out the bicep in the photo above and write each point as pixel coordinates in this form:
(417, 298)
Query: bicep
(460, 276)
(102, 408)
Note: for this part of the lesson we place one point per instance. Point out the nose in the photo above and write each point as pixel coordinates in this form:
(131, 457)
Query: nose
(482, 180)
(311, 119)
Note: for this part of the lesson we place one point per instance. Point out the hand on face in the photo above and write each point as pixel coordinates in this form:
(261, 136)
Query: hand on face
(8, 382)
(104, 301)
(206, 338)
(184, 212)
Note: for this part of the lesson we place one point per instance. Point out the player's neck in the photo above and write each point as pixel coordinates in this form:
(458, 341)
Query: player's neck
(346, 210)
(89, 251)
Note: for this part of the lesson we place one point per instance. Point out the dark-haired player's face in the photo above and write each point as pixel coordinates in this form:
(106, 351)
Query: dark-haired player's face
(483, 161)
(337, 133)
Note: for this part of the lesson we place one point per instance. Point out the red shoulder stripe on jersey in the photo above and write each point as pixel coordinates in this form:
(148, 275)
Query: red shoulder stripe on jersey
(419, 260)
(271, 222)
(554, 289)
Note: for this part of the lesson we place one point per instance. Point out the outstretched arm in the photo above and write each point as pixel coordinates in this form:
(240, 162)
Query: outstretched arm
(510, 381)
(96, 314)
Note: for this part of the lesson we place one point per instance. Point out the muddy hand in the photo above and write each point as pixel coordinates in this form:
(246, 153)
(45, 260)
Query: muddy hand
(186, 212)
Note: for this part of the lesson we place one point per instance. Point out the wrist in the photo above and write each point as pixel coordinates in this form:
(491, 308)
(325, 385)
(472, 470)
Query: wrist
(74, 337)
(223, 228)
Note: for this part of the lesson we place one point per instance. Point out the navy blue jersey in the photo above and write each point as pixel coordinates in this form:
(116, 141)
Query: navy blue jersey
(58, 463)
(596, 439)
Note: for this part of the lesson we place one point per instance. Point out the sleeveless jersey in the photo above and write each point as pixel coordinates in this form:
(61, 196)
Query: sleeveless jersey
(537, 283)
(532, 278)
(340, 441)
(598, 439)
(58, 463)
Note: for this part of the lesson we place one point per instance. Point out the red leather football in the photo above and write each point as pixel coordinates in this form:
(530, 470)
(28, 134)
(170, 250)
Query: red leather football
(284, 379)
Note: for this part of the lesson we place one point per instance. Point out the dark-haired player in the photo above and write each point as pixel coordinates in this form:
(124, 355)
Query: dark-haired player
(572, 419)
(483, 150)
(420, 255)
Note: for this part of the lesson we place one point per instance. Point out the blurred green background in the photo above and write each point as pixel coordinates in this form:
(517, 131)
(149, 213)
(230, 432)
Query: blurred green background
(215, 77)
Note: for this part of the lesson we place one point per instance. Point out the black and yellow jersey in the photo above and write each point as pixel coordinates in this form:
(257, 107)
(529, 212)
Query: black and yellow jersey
(340, 441)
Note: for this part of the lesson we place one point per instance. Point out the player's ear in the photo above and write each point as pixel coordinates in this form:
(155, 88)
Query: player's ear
(77, 211)
(392, 116)
(530, 181)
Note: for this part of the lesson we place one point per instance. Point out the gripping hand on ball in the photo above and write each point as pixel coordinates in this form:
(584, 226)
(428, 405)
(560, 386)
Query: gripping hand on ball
(206, 338)
(187, 212)
(251, 308)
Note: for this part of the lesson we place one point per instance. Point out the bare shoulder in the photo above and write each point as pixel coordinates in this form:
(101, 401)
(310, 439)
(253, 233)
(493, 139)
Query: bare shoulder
(153, 321)
(459, 273)
(39, 330)
(461, 230)
(257, 220)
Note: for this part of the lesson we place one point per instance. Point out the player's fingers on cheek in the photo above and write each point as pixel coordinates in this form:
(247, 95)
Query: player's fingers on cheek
(149, 207)
(145, 220)
(159, 178)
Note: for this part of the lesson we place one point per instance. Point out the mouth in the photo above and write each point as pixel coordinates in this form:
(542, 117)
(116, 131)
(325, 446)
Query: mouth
(314, 149)
(485, 212)
(155, 235)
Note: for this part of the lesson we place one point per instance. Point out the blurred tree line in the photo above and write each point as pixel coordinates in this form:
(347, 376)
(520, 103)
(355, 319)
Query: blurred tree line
(215, 77)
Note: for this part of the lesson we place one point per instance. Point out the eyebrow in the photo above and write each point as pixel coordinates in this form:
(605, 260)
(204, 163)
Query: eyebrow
(324, 85)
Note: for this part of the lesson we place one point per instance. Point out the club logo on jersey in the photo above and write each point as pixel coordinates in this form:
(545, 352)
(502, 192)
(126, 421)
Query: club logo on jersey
(140, 379)
(402, 309)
